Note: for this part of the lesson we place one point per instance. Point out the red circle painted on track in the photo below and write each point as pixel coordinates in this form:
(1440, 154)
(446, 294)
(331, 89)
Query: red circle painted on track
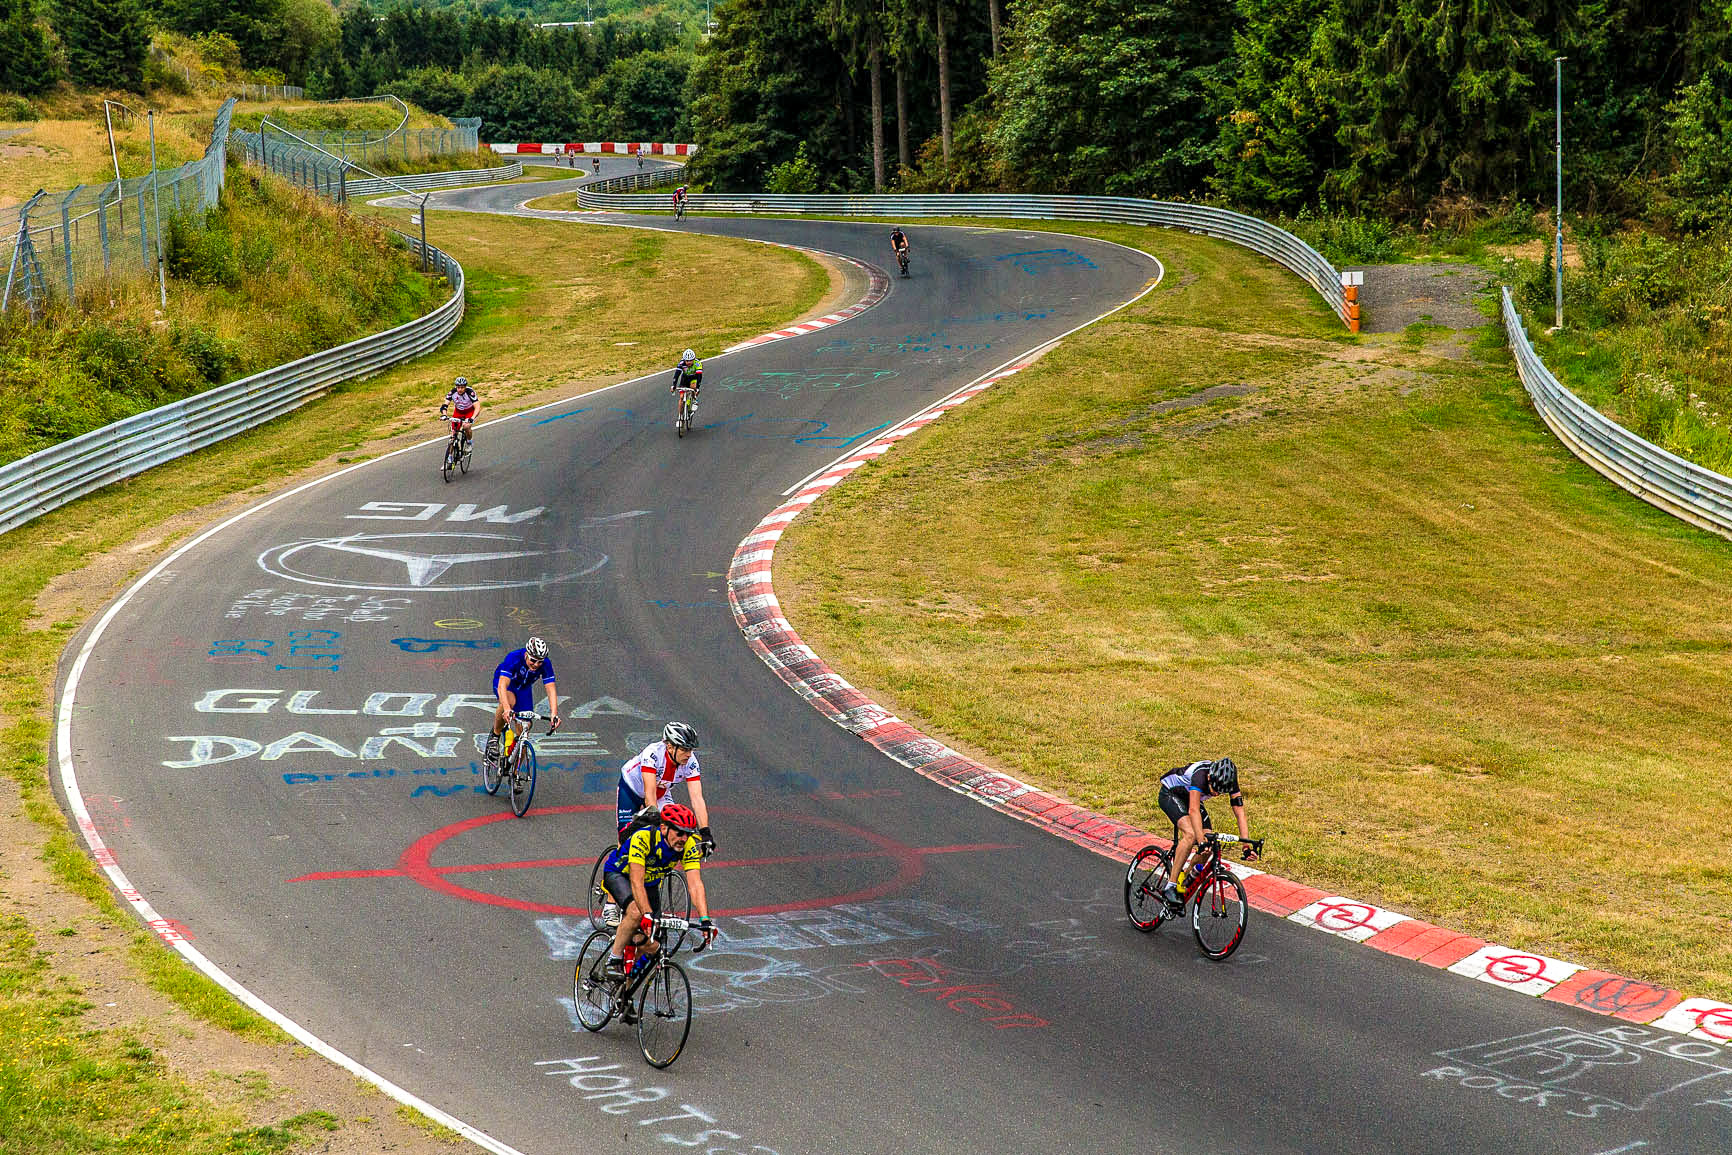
(416, 862)
(1721, 1017)
(1521, 968)
(1344, 916)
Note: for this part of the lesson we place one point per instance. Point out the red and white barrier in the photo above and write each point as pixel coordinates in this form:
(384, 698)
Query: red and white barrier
(597, 147)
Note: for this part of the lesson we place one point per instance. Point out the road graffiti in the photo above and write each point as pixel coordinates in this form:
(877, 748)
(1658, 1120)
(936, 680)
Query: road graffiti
(305, 650)
(306, 607)
(623, 1098)
(983, 1001)
(1038, 261)
(1592, 1075)
(431, 562)
(937, 341)
(430, 645)
(428, 510)
(790, 383)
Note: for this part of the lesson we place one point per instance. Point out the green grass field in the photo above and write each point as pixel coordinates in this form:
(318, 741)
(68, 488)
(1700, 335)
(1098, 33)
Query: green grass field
(1464, 676)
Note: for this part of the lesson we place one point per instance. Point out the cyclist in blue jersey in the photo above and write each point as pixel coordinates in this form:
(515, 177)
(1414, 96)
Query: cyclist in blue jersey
(633, 873)
(1182, 792)
(513, 684)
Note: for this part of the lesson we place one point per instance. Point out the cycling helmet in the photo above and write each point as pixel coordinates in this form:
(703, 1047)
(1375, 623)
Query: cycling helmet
(1224, 777)
(688, 355)
(680, 734)
(535, 648)
(461, 383)
(679, 817)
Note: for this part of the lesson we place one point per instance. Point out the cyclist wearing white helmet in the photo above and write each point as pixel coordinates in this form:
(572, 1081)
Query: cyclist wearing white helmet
(514, 685)
(460, 407)
(646, 782)
(690, 371)
(1182, 792)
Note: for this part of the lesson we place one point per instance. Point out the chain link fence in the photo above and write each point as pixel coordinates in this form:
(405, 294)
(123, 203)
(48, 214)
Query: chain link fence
(56, 245)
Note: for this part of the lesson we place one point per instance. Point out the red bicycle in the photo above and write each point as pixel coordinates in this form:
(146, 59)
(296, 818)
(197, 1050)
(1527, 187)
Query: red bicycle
(1216, 897)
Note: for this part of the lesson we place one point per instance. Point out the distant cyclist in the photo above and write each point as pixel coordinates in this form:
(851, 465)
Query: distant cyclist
(679, 202)
(690, 371)
(899, 246)
(1183, 790)
(460, 407)
(640, 156)
(514, 685)
(633, 873)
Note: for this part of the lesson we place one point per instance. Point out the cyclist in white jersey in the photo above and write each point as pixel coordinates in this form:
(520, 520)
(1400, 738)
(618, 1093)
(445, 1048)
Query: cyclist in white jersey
(648, 780)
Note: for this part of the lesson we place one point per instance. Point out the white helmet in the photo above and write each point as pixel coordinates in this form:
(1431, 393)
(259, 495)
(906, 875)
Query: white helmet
(688, 355)
(535, 648)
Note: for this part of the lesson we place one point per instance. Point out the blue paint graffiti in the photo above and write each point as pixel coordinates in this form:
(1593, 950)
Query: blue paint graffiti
(561, 416)
(429, 645)
(913, 343)
(1039, 261)
(789, 384)
(317, 647)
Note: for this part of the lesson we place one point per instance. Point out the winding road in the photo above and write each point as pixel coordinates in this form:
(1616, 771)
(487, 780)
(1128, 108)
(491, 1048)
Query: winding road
(273, 735)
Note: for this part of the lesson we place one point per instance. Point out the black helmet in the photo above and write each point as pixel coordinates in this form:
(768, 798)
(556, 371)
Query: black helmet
(1224, 777)
(680, 734)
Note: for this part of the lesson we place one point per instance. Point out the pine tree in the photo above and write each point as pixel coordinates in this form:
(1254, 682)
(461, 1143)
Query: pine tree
(105, 42)
(27, 63)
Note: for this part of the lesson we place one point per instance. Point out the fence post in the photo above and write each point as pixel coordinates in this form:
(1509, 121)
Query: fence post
(143, 230)
(66, 236)
(102, 227)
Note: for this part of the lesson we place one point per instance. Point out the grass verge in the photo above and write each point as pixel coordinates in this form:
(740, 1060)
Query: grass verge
(1465, 677)
(69, 1084)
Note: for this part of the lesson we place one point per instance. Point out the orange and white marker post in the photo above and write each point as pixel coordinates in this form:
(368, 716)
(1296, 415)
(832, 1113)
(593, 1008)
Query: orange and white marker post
(1350, 283)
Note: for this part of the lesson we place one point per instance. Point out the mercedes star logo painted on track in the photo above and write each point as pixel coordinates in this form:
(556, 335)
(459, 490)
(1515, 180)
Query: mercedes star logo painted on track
(424, 561)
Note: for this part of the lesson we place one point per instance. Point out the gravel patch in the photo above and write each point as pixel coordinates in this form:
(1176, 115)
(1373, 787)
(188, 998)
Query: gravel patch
(1396, 296)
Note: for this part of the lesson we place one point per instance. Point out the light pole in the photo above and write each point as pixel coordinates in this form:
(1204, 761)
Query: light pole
(1558, 212)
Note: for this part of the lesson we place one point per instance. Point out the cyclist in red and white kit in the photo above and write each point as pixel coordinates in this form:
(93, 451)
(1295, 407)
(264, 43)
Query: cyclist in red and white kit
(462, 404)
(646, 790)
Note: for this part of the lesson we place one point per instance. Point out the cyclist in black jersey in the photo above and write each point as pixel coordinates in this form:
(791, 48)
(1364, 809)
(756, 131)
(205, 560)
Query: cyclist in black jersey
(1183, 790)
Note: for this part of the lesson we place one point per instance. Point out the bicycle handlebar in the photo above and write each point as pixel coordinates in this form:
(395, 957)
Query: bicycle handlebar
(1254, 845)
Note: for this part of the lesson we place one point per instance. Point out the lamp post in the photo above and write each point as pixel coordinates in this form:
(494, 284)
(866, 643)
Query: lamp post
(1558, 212)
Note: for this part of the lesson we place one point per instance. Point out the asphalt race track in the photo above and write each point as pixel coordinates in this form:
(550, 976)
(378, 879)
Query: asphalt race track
(273, 737)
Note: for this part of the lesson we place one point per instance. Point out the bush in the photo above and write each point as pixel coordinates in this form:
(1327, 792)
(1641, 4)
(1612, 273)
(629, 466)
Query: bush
(1344, 239)
(203, 255)
(16, 108)
(799, 175)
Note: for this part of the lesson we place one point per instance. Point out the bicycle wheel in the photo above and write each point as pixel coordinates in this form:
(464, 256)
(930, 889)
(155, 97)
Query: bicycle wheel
(492, 774)
(680, 418)
(591, 989)
(664, 1014)
(523, 778)
(676, 899)
(1218, 914)
(468, 456)
(598, 896)
(450, 455)
(1144, 882)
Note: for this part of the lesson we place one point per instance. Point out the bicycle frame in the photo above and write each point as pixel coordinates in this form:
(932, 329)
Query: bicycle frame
(664, 953)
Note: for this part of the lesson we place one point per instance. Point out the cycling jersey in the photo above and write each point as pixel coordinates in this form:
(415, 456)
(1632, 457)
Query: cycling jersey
(659, 859)
(1195, 777)
(695, 374)
(522, 679)
(462, 401)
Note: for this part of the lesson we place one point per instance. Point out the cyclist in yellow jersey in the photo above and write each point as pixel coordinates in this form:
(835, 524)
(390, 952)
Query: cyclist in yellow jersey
(633, 873)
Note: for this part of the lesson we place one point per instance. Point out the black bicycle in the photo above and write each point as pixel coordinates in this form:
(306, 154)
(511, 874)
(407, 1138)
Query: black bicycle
(604, 912)
(655, 994)
(458, 451)
(902, 261)
(516, 763)
(1215, 896)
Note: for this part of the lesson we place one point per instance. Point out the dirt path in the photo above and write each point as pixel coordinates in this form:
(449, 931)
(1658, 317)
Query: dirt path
(1396, 296)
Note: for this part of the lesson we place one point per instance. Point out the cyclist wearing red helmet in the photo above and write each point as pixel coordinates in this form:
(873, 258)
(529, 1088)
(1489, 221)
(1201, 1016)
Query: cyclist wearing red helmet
(633, 873)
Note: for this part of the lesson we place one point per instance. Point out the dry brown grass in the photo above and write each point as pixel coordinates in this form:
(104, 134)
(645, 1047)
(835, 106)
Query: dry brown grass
(1466, 678)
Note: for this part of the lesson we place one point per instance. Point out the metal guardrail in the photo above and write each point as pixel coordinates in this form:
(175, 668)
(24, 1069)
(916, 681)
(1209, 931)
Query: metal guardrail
(1681, 488)
(647, 178)
(1259, 236)
(49, 478)
(455, 178)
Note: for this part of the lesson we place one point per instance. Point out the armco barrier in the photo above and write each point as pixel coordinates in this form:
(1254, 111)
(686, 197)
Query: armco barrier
(1681, 488)
(457, 178)
(599, 147)
(54, 476)
(1278, 245)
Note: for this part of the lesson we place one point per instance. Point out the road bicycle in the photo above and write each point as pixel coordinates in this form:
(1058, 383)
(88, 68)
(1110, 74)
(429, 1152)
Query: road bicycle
(458, 452)
(516, 762)
(676, 899)
(1215, 897)
(902, 261)
(654, 994)
(679, 208)
(685, 406)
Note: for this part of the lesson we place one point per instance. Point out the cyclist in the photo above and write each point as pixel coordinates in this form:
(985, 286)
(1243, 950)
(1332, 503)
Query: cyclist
(513, 682)
(633, 873)
(463, 405)
(640, 156)
(690, 371)
(646, 782)
(1183, 790)
(679, 200)
(595, 165)
(899, 246)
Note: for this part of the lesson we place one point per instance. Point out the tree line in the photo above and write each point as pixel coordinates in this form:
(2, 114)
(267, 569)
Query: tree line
(1387, 106)
(621, 78)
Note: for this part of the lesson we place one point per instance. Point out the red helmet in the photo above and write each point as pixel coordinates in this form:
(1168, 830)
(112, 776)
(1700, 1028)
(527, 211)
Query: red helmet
(679, 817)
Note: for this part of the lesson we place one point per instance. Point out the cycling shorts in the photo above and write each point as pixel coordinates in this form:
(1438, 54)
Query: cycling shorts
(523, 699)
(1175, 804)
(618, 887)
(630, 803)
